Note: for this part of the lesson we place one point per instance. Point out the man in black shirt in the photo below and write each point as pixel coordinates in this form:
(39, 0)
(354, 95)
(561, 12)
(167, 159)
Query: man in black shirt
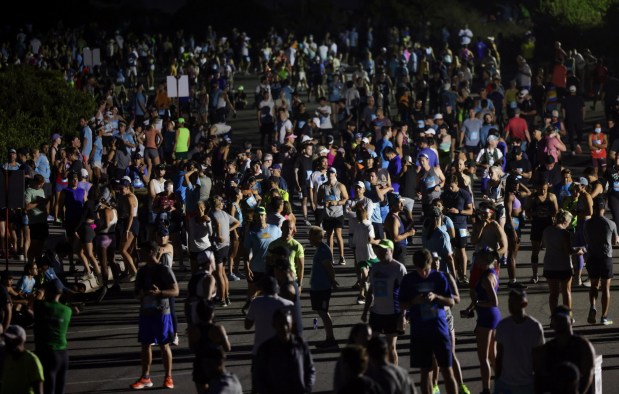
(458, 205)
(519, 164)
(302, 171)
(573, 108)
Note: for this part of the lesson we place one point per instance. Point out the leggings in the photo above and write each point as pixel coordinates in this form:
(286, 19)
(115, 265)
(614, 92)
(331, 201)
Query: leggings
(55, 364)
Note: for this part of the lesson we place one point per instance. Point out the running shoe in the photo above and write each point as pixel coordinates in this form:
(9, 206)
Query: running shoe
(360, 300)
(606, 321)
(223, 303)
(534, 280)
(50, 219)
(168, 383)
(464, 389)
(233, 278)
(516, 285)
(175, 341)
(239, 275)
(591, 317)
(342, 261)
(142, 383)
(228, 303)
(436, 390)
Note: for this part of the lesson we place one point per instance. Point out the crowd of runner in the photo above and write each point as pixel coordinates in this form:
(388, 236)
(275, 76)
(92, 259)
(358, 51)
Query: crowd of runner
(351, 138)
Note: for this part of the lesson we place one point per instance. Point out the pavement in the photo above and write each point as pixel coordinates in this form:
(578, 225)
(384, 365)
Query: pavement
(105, 355)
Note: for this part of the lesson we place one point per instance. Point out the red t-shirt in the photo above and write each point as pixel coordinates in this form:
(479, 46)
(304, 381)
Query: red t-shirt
(516, 128)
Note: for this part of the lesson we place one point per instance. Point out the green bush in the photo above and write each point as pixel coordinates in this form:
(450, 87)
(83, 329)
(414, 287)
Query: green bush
(34, 104)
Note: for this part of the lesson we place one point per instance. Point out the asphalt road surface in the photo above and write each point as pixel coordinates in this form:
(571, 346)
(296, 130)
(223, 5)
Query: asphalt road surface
(105, 355)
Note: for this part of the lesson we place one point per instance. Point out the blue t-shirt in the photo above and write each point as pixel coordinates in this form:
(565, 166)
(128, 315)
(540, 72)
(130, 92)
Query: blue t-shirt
(320, 279)
(438, 241)
(432, 158)
(87, 135)
(426, 318)
(380, 147)
(258, 240)
(98, 146)
(395, 168)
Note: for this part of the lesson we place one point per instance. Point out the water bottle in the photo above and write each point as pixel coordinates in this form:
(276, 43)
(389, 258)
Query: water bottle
(315, 323)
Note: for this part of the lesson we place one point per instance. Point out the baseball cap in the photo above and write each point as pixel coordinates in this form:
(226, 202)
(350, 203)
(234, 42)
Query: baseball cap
(555, 113)
(181, 120)
(583, 181)
(84, 173)
(14, 331)
(423, 155)
(572, 88)
(438, 116)
(360, 184)
(305, 138)
(268, 156)
(358, 136)
(276, 166)
(550, 159)
(55, 136)
(137, 156)
(126, 179)
(330, 139)
(385, 244)
(291, 136)
(493, 138)
(260, 211)
(54, 286)
(430, 131)
(332, 170)
(365, 140)
(524, 92)
(323, 151)
(12, 150)
(163, 231)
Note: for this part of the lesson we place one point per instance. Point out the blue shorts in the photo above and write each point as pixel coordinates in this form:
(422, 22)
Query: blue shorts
(423, 346)
(156, 329)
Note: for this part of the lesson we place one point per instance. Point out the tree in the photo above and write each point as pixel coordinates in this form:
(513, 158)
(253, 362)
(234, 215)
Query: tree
(577, 13)
(36, 103)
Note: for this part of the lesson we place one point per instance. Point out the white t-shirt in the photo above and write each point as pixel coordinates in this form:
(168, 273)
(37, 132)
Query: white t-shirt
(286, 125)
(385, 280)
(261, 311)
(362, 231)
(316, 179)
(518, 341)
(325, 120)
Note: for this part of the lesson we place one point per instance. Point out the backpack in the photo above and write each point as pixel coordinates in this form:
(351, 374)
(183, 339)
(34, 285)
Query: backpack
(195, 296)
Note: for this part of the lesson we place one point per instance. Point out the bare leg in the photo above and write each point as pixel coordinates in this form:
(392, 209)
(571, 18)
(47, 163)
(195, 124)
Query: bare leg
(147, 359)
(328, 323)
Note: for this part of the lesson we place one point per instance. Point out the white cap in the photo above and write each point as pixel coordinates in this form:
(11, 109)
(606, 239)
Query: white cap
(84, 173)
(438, 116)
(323, 151)
(572, 88)
(430, 131)
(524, 92)
(306, 138)
(365, 140)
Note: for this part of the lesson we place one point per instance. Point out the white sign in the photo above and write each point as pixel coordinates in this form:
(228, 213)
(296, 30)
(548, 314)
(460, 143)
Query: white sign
(92, 57)
(172, 88)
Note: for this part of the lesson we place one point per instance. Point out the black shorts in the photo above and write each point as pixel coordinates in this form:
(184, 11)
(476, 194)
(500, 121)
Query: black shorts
(221, 255)
(330, 224)
(424, 346)
(258, 276)
(87, 234)
(538, 225)
(459, 242)
(558, 274)
(47, 189)
(320, 300)
(39, 231)
(379, 230)
(305, 191)
(319, 214)
(151, 153)
(600, 267)
(384, 324)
